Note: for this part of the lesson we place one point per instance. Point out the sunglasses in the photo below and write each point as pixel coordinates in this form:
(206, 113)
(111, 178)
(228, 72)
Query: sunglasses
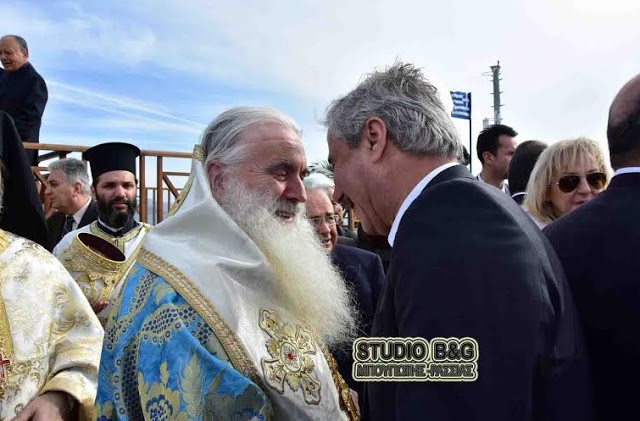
(569, 183)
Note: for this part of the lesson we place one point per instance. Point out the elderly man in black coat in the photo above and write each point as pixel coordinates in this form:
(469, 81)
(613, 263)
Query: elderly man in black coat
(466, 262)
(23, 92)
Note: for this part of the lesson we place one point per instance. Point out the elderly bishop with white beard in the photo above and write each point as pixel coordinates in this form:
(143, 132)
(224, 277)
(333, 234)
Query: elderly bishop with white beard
(232, 304)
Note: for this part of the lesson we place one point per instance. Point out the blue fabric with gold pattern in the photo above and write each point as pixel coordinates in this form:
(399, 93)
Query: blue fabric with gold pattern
(161, 361)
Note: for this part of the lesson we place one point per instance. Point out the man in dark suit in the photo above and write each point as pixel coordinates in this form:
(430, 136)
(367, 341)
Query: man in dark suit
(495, 148)
(21, 210)
(466, 262)
(69, 189)
(23, 92)
(362, 271)
(598, 245)
(520, 167)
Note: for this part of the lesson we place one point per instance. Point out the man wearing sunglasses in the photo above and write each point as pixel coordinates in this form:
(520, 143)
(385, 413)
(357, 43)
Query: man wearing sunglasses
(598, 246)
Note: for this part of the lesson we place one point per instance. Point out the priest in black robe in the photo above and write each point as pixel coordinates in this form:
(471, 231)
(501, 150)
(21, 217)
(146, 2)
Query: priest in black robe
(22, 212)
(23, 92)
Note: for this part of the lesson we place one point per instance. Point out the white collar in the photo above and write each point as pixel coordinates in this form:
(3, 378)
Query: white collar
(109, 227)
(626, 170)
(412, 196)
(80, 212)
(504, 184)
(518, 194)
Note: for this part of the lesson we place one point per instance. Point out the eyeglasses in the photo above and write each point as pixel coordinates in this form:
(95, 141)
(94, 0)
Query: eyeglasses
(318, 220)
(569, 183)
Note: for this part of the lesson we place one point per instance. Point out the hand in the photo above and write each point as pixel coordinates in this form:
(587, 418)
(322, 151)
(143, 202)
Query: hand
(354, 397)
(100, 306)
(50, 406)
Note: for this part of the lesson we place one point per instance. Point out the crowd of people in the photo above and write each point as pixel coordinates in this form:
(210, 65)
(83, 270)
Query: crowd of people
(245, 301)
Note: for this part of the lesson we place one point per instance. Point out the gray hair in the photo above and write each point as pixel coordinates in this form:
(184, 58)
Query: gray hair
(220, 138)
(408, 104)
(74, 171)
(318, 181)
(21, 42)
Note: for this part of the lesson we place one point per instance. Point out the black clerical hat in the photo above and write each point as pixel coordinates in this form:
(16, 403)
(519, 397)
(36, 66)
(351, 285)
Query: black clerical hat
(111, 157)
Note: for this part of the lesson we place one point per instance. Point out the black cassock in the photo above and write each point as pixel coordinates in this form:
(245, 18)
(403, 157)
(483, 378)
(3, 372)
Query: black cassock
(23, 95)
(22, 212)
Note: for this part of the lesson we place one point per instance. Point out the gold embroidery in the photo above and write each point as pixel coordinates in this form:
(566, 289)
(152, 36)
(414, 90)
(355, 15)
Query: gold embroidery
(290, 361)
(4, 241)
(251, 404)
(119, 242)
(191, 387)
(93, 269)
(346, 401)
(6, 343)
(159, 401)
(46, 315)
(198, 153)
(232, 345)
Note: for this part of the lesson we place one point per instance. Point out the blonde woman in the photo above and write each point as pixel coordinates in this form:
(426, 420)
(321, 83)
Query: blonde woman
(567, 174)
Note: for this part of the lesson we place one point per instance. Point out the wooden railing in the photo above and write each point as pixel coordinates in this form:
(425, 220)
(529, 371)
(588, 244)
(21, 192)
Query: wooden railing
(162, 179)
(157, 192)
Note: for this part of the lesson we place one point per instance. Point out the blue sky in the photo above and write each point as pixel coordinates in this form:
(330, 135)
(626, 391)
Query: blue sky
(154, 73)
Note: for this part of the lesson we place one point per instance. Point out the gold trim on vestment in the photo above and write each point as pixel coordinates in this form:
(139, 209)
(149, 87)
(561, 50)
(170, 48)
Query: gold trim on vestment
(183, 194)
(94, 267)
(238, 355)
(6, 343)
(344, 393)
(198, 155)
(119, 242)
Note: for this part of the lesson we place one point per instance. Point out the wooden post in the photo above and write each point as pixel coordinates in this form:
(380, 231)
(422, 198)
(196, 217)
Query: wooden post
(159, 207)
(144, 212)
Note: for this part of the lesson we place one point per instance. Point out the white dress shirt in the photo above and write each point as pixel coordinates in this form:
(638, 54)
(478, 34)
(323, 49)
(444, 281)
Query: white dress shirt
(77, 217)
(626, 170)
(412, 196)
(504, 188)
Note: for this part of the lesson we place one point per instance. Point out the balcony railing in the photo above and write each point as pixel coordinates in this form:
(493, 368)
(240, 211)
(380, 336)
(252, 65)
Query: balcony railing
(157, 205)
(164, 184)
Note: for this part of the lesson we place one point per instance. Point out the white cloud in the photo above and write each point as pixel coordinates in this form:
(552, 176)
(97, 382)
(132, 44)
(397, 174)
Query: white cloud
(562, 60)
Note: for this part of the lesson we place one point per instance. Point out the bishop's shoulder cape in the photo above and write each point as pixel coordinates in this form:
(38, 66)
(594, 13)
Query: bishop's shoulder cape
(198, 332)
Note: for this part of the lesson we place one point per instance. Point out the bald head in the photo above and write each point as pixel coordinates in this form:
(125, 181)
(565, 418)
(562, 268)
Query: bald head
(623, 129)
(14, 52)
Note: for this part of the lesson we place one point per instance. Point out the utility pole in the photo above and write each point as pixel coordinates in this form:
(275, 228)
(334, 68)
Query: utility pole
(495, 73)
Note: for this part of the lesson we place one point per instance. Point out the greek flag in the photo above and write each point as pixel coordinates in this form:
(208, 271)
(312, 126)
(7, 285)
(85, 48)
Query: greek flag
(461, 105)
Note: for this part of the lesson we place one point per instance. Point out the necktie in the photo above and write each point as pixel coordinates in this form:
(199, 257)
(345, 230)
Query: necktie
(68, 225)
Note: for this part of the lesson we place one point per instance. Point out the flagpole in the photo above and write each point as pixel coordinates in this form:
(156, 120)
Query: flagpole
(470, 141)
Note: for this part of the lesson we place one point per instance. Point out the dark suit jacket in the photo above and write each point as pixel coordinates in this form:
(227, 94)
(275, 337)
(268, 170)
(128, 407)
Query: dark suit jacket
(22, 212)
(55, 223)
(23, 95)
(362, 271)
(599, 245)
(468, 262)
(519, 199)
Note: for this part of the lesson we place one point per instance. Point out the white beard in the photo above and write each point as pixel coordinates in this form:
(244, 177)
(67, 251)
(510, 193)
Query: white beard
(308, 285)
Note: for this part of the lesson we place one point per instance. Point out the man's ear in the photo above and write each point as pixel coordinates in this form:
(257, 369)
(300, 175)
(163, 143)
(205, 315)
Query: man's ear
(77, 188)
(374, 137)
(93, 191)
(215, 171)
(487, 157)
